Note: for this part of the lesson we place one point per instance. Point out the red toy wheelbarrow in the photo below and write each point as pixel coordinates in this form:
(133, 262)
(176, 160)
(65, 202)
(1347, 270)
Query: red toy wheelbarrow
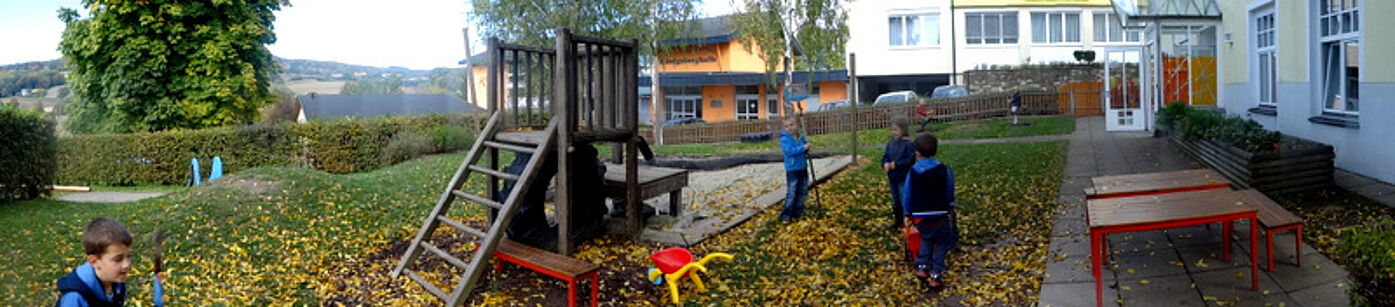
(674, 263)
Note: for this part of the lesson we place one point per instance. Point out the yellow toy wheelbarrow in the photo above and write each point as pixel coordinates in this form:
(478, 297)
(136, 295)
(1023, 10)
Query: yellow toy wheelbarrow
(674, 263)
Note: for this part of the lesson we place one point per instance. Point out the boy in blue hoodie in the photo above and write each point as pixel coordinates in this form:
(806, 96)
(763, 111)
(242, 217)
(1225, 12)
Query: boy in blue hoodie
(796, 150)
(896, 161)
(928, 196)
(101, 281)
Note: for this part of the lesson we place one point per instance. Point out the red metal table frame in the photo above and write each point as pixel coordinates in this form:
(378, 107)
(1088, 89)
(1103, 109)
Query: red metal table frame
(1202, 212)
(571, 282)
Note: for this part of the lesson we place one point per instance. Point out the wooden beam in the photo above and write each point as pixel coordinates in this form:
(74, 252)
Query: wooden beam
(563, 106)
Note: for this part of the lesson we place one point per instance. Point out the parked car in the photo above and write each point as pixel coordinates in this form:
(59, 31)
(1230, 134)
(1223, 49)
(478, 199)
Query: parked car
(896, 97)
(832, 105)
(949, 91)
(684, 121)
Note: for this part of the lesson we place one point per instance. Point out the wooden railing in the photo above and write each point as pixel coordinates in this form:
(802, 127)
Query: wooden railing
(598, 78)
(520, 83)
(876, 117)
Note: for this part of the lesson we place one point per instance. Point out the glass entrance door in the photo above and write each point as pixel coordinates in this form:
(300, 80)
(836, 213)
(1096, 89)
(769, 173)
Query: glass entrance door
(1125, 108)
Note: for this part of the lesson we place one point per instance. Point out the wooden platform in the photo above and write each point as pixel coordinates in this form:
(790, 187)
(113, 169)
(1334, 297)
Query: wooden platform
(1155, 183)
(584, 136)
(653, 182)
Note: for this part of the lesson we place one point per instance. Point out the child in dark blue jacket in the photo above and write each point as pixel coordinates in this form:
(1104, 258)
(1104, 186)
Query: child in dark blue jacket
(897, 161)
(928, 196)
(796, 150)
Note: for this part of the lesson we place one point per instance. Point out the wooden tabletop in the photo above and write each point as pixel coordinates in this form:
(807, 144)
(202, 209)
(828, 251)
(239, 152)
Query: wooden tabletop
(1124, 211)
(1156, 182)
(647, 174)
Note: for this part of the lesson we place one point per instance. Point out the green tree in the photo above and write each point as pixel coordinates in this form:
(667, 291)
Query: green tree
(148, 65)
(373, 85)
(820, 27)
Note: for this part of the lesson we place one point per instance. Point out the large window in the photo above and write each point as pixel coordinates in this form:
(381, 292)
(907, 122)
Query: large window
(772, 102)
(1056, 27)
(1108, 30)
(682, 102)
(914, 29)
(1265, 57)
(747, 102)
(1339, 28)
(990, 28)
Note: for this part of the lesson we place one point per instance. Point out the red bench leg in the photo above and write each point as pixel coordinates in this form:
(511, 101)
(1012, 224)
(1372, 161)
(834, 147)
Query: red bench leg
(571, 293)
(1225, 239)
(595, 290)
(1269, 247)
(1298, 244)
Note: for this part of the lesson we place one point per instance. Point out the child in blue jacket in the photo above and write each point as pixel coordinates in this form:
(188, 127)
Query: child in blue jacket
(796, 150)
(896, 162)
(928, 196)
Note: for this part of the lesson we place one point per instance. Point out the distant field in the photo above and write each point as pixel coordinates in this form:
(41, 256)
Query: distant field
(302, 87)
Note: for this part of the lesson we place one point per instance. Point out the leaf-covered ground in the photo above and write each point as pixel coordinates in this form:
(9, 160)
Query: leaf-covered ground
(279, 235)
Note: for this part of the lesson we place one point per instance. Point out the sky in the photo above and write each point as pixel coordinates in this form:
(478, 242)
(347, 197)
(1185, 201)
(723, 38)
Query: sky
(417, 34)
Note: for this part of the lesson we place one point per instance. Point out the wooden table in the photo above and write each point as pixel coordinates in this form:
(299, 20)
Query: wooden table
(653, 181)
(1155, 183)
(1140, 213)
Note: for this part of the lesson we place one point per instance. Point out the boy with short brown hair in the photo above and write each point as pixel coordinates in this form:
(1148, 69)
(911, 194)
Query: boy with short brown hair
(101, 281)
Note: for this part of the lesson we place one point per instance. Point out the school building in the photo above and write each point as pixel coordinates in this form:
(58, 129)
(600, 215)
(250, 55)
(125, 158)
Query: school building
(716, 79)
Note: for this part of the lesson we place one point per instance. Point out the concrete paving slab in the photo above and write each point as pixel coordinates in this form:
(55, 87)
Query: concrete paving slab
(1233, 285)
(1209, 258)
(1135, 266)
(1195, 235)
(1316, 269)
(1333, 293)
(1074, 245)
(1145, 240)
(1174, 290)
(1071, 269)
(1067, 227)
(1075, 294)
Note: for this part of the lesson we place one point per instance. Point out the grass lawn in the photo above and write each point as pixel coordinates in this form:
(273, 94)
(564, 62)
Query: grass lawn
(292, 235)
(985, 129)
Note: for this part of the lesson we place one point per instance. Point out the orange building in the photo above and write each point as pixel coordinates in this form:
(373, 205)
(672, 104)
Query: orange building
(716, 79)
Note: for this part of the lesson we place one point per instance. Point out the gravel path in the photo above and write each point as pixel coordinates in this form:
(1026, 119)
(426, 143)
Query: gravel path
(107, 197)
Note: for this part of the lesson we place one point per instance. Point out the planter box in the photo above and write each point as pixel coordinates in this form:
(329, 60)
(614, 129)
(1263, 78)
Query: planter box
(1298, 166)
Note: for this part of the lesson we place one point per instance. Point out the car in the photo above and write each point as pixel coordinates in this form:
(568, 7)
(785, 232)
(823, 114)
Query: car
(684, 121)
(832, 105)
(896, 97)
(949, 91)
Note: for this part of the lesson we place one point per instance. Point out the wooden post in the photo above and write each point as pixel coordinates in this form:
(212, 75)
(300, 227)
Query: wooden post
(633, 222)
(495, 105)
(852, 85)
(563, 106)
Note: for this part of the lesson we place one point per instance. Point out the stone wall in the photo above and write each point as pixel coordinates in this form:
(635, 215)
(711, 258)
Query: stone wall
(1030, 78)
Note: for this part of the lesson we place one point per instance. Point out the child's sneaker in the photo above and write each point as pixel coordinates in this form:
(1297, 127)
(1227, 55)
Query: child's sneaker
(922, 272)
(935, 282)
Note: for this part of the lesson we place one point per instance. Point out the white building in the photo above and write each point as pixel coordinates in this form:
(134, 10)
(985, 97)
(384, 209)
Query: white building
(906, 45)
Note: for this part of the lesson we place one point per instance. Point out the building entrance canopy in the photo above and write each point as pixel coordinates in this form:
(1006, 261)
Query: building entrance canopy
(1139, 13)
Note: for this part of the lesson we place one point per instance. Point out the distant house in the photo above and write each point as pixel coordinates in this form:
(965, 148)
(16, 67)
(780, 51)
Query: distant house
(317, 106)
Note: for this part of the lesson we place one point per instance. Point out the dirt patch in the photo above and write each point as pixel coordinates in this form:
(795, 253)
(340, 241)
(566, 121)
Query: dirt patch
(251, 184)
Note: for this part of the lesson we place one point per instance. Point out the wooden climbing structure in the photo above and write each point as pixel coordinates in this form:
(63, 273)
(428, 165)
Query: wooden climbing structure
(542, 101)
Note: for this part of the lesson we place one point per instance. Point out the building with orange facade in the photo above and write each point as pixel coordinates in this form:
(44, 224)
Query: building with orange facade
(717, 79)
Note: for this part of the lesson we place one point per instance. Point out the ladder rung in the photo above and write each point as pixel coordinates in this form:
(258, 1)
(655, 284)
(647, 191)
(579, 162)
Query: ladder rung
(424, 284)
(444, 255)
(460, 226)
(478, 199)
(509, 147)
(487, 171)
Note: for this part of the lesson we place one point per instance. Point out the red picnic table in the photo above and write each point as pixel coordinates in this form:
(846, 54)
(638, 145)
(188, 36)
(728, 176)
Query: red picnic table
(1151, 212)
(1155, 183)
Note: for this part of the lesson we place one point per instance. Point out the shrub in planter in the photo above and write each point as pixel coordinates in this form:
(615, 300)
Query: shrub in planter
(1192, 124)
(27, 161)
(1369, 247)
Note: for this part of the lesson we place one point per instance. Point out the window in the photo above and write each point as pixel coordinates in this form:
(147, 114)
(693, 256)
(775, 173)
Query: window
(1108, 30)
(914, 30)
(990, 28)
(747, 102)
(1340, 37)
(1265, 57)
(1056, 27)
(772, 102)
(682, 102)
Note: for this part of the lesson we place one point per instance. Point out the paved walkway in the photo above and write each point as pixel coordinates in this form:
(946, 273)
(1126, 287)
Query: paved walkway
(1174, 267)
(1381, 192)
(107, 197)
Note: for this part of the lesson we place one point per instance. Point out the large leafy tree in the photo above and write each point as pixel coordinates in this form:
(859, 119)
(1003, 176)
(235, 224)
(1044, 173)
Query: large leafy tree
(148, 65)
(819, 26)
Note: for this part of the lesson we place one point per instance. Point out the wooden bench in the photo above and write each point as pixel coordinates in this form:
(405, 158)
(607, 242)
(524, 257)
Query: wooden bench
(561, 267)
(653, 181)
(1273, 217)
(1155, 183)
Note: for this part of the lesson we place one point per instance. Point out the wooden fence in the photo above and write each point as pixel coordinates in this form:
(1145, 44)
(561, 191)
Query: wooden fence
(876, 117)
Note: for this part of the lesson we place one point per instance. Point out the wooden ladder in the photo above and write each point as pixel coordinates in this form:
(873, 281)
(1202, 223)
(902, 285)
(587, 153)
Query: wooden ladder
(503, 212)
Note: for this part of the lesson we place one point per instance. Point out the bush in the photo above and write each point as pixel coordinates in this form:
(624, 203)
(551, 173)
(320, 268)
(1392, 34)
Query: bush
(1370, 248)
(1192, 124)
(447, 138)
(335, 146)
(27, 163)
(406, 145)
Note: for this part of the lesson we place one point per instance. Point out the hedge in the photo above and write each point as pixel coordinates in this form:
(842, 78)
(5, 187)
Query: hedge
(336, 146)
(27, 163)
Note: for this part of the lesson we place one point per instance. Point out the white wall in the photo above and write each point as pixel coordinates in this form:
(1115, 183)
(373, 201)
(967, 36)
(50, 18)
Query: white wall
(868, 38)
